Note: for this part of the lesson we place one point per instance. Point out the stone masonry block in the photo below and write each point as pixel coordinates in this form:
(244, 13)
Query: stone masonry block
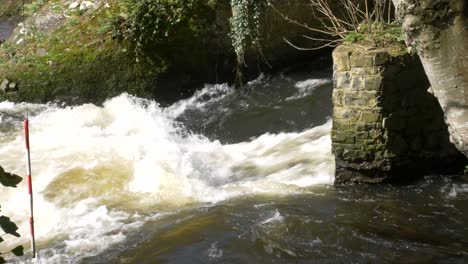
(341, 60)
(357, 83)
(361, 135)
(367, 126)
(343, 125)
(365, 99)
(380, 58)
(346, 137)
(354, 155)
(373, 83)
(346, 113)
(367, 71)
(370, 117)
(342, 80)
(361, 60)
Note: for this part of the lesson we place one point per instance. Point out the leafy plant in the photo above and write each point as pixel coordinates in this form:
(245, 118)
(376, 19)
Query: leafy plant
(8, 227)
(354, 37)
(368, 21)
(246, 24)
(153, 21)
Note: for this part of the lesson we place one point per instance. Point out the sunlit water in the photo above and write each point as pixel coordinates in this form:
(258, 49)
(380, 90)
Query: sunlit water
(226, 176)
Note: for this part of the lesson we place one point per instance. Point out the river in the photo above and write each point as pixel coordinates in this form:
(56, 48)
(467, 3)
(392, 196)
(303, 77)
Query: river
(226, 176)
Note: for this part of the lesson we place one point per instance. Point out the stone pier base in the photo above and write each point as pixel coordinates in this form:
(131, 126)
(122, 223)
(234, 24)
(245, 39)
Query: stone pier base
(386, 124)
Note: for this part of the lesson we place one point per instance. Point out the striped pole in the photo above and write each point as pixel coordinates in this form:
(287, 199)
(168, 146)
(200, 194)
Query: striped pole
(31, 216)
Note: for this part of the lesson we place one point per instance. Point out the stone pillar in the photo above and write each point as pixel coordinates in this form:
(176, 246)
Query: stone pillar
(385, 123)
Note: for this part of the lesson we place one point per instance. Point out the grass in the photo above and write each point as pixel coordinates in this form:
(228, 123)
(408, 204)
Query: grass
(79, 54)
(379, 35)
(9, 8)
(33, 7)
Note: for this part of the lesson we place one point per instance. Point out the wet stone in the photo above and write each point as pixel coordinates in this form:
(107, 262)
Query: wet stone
(382, 117)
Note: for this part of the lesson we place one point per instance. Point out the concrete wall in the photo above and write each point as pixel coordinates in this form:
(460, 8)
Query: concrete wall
(385, 123)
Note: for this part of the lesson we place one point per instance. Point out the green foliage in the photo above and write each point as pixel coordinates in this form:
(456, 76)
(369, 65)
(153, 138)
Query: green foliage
(156, 21)
(246, 24)
(9, 8)
(353, 37)
(33, 7)
(8, 179)
(8, 227)
(379, 34)
(466, 169)
(18, 251)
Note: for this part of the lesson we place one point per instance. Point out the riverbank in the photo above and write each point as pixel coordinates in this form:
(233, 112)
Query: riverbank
(77, 53)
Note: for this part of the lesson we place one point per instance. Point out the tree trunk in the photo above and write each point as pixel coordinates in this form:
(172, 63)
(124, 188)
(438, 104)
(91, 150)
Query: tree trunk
(438, 29)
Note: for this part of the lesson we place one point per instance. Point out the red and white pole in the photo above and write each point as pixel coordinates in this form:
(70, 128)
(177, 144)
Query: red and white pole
(30, 190)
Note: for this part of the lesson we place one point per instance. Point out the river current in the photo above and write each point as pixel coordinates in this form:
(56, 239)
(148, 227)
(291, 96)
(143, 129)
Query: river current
(225, 176)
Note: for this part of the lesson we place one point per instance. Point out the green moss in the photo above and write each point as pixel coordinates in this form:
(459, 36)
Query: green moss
(379, 35)
(94, 56)
(9, 8)
(80, 62)
(33, 6)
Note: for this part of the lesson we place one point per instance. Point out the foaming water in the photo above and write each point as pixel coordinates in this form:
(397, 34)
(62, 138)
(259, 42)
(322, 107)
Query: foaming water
(101, 172)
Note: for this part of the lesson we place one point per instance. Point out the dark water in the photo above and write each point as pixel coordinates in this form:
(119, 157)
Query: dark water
(274, 205)
(6, 28)
(288, 102)
(422, 222)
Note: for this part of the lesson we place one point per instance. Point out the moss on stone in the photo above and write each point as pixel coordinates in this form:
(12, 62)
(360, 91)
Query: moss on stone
(379, 36)
(89, 55)
(85, 60)
(10, 8)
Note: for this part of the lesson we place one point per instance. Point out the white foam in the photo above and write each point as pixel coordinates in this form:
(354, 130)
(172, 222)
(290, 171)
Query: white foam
(210, 93)
(98, 172)
(276, 218)
(307, 87)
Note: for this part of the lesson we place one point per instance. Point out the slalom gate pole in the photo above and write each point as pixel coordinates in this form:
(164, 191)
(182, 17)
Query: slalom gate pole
(31, 215)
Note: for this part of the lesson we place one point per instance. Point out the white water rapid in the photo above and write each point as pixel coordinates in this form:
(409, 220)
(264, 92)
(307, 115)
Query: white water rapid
(100, 173)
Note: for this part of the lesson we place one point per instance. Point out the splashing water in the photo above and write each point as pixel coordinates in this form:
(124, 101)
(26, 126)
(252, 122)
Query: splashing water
(101, 172)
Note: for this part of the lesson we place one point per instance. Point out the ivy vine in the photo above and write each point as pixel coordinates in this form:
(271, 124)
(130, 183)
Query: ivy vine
(246, 25)
(152, 22)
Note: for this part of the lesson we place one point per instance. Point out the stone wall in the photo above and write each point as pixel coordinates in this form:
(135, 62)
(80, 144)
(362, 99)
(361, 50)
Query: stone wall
(386, 125)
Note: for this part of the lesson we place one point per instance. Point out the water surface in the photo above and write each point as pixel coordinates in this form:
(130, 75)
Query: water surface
(226, 176)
